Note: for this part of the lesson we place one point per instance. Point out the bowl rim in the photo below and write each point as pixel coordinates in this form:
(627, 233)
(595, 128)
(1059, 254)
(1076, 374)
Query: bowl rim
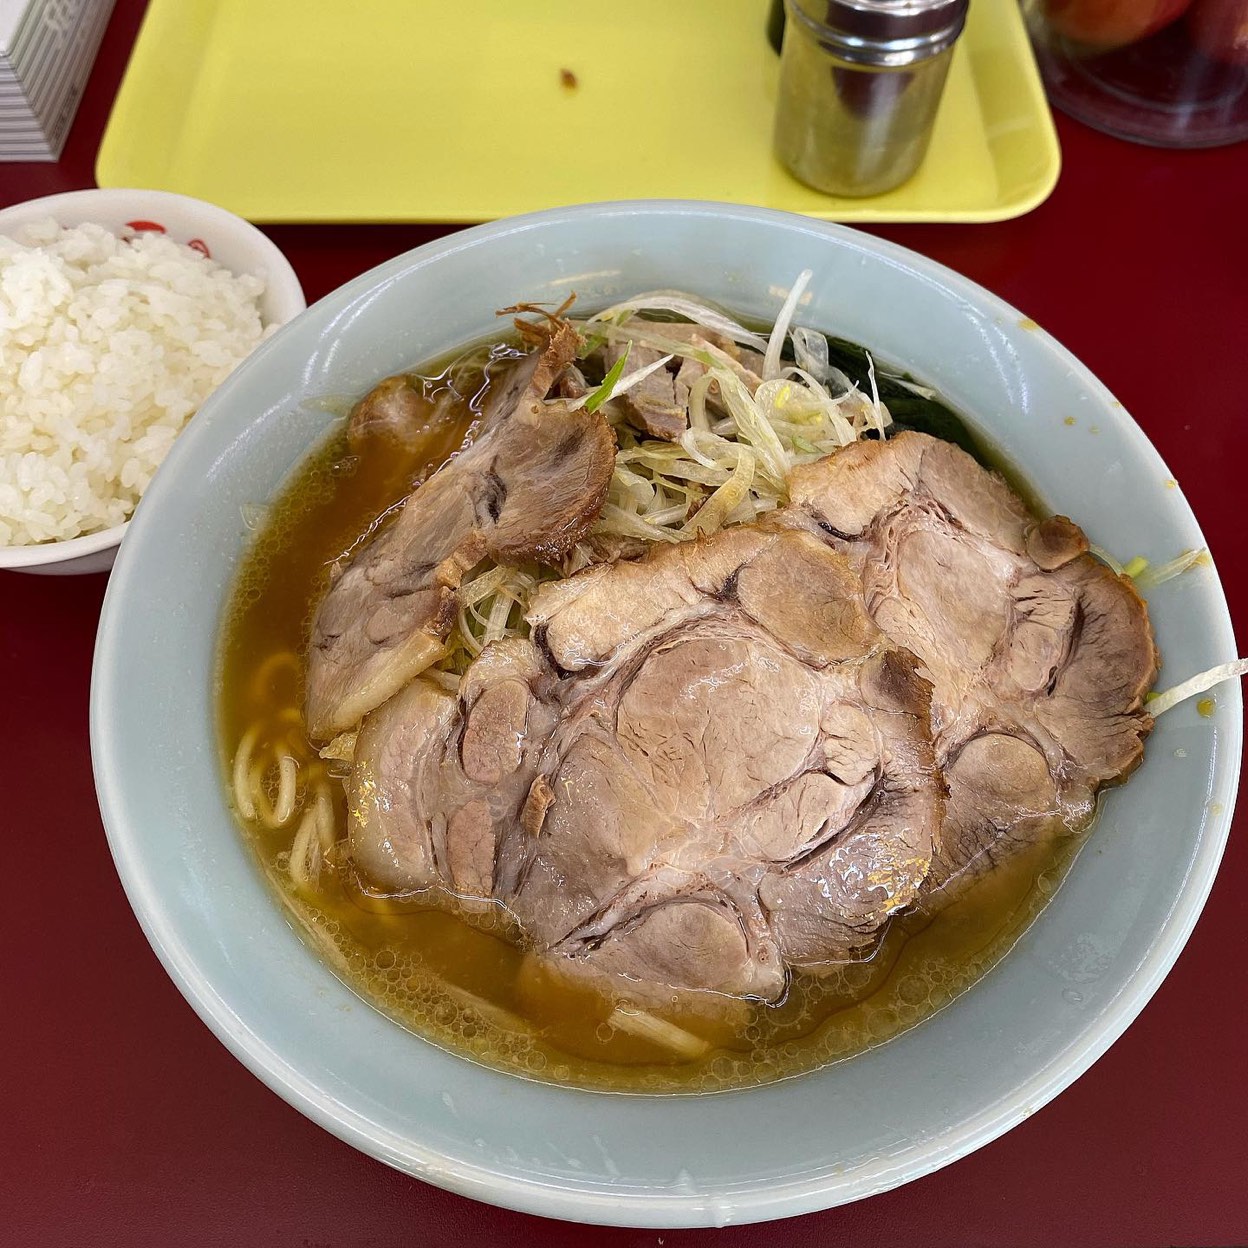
(775, 1199)
(46, 554)
(283, 281)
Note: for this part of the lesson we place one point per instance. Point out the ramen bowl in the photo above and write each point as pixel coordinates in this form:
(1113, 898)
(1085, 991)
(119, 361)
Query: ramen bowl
(1074, 980)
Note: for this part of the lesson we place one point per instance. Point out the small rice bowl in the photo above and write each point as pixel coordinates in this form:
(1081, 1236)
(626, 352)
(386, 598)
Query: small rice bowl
(108, 346)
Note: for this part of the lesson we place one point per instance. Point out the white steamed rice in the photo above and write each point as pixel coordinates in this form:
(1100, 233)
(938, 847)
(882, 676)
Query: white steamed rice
(107, 348)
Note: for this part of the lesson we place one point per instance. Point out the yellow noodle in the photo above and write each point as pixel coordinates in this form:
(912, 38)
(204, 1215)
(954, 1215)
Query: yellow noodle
(287, 789)
(242, 762)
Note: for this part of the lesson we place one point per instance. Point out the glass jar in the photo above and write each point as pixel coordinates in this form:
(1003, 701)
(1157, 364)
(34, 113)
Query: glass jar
(1168, 72)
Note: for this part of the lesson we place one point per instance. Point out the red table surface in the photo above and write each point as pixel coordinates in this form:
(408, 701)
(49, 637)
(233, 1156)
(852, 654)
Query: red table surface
(125, 1122)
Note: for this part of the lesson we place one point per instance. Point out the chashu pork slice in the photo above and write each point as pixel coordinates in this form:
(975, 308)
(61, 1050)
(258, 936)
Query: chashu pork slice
(529, 487)
(707, 767)
(1039, 655)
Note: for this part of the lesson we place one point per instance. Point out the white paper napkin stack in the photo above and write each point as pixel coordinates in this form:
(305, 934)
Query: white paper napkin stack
(46, 51)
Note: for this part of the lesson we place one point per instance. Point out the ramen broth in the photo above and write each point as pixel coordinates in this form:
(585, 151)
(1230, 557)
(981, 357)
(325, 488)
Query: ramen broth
(462, 981)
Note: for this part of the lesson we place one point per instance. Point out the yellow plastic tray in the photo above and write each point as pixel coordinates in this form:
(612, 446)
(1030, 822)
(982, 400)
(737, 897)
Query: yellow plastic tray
(419, 110)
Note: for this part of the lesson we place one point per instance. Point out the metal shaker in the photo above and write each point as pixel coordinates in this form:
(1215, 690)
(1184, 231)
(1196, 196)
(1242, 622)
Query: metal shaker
(860, 81)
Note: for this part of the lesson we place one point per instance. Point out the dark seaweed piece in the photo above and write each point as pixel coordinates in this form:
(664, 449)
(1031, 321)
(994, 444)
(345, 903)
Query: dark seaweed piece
(909, 410)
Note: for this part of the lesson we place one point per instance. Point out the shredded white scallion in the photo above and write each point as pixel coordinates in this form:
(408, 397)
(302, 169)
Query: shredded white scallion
(753, 427)
(726, 499)
(810, 350)
(1144, 574)
(443, 679)
(1107, 559)
(1200, 683)
(780, 331)
(924, 392)
(650, 334)
(491, 607)
(255, 516)
(699, 421)
(684, 305)
(732, 464)
(630, 524)
(658, 1031)
(625, 383)
(1150, 577)
(877, 408)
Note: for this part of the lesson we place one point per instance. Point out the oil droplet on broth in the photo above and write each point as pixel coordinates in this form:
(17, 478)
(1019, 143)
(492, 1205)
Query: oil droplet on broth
(459, 981)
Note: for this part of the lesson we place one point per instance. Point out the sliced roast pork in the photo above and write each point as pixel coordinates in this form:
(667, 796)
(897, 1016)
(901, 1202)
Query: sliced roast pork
(706, 767)
(658, 406)
(529, 487)
(1039, 655)
(735, 756)
(651, 405)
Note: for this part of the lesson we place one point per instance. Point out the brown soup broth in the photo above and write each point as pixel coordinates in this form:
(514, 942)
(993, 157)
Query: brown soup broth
(459, 981)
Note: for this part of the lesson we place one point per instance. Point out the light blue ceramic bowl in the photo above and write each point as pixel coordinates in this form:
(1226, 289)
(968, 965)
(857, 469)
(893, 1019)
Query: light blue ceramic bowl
(1070, 987)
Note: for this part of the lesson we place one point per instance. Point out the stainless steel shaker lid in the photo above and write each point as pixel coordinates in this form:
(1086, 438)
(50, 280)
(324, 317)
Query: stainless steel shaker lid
(886, 28)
